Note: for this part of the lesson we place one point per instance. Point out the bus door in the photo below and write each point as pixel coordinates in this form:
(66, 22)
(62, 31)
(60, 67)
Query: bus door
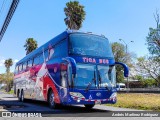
(63, 81)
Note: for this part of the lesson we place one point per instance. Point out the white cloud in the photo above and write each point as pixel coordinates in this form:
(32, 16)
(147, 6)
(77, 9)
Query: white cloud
(2, 59)
(15, 61)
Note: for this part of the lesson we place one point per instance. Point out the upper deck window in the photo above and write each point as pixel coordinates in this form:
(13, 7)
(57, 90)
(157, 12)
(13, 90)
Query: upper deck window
(20, 67)
(16, 69)
(91, 45)
(29, 63)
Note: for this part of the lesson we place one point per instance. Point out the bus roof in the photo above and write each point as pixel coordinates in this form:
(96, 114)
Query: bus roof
(53, 41)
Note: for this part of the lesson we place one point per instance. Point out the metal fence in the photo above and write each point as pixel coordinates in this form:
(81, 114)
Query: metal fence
(141, 90)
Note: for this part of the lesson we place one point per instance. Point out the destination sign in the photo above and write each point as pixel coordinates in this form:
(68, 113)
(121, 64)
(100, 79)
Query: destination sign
(94, 60)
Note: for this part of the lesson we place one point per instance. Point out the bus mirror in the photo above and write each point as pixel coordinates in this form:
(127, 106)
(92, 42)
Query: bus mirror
(72, 62)
(74, 75)
(126, 69)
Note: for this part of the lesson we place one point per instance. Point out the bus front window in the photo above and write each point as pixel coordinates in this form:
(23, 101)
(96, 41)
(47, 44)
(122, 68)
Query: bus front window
(85, 75)
(106, 76)
(90, 45)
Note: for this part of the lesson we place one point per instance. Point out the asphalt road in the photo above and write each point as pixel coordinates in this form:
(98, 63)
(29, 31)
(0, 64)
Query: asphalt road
(9, 103)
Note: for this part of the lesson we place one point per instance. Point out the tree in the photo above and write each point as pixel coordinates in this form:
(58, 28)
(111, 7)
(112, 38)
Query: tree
(138, 77)
(152, 64)
(8, 77)
(8, 63)
(148, 82)
(151, 67)
(75, 15)
(30, 45)
(153, 39)
(120, 56)
(119, 53)
(1, 78)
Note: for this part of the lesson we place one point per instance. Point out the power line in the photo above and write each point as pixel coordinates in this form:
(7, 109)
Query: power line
(9, 17)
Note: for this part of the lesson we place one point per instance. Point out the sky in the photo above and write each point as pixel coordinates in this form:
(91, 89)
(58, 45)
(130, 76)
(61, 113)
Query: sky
(129, 20)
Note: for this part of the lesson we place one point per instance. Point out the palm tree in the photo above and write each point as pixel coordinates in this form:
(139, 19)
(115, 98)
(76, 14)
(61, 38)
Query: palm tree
(8, 63)
(8, 78)
(30, 45)
(75, 15)
(1, 78)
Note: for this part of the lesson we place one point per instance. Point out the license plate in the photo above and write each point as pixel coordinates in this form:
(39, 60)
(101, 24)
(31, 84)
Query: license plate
(98, 102)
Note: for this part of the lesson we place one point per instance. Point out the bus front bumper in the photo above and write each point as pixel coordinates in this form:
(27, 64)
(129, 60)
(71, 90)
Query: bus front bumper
(92, 101)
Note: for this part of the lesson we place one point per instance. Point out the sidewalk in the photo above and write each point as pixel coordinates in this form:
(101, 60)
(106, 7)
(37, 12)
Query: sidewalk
(8, 100)
(7, 97)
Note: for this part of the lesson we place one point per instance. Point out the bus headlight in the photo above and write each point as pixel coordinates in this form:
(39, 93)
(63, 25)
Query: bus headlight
(114, 95)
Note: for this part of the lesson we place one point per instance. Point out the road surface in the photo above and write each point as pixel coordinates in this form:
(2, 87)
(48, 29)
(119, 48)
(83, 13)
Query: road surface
(10, 103)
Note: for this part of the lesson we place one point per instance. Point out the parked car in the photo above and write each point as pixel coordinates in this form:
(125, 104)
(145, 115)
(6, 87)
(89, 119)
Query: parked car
(120, 86)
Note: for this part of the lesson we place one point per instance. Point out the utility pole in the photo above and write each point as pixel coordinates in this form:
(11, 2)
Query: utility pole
(126, 46)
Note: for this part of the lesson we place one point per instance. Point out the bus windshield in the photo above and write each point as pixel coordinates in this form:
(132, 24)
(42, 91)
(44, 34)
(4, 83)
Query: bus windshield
(106, 76)
(94, 77)
(85, 75)
(92, 45)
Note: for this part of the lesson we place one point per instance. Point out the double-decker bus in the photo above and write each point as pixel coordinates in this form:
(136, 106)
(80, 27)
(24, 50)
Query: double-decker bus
(72, 68)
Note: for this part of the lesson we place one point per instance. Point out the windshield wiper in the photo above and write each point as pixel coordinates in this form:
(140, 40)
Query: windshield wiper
(90, 83)
(100, 81)
(99, 78)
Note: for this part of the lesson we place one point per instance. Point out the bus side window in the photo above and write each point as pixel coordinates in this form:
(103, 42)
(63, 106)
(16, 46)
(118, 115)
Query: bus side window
(33, 62)
(46, 54)
(20, 67)
(36, 60)
(24, 66)
(41, 59)
(29, 64)
(16, 69)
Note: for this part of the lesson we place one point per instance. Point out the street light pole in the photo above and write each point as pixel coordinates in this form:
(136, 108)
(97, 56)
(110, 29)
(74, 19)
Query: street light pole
(126, 45)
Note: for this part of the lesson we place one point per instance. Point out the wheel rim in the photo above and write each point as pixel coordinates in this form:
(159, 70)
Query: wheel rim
(51, 100)
(22, 97)
(19, 96)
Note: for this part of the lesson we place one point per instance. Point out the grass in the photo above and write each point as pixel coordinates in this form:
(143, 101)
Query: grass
(11, 92)
(142, 101)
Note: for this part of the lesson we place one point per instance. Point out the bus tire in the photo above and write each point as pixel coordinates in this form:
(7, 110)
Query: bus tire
(19, 96)
(22, 96)
(89, 106)
(51, 102)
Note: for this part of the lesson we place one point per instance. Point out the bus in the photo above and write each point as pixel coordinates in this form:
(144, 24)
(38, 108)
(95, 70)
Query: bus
(72, 68)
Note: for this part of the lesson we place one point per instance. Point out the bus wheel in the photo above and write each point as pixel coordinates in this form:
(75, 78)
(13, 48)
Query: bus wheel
(89, 106)
(51, 102)
(19, 96)
(22, 96)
